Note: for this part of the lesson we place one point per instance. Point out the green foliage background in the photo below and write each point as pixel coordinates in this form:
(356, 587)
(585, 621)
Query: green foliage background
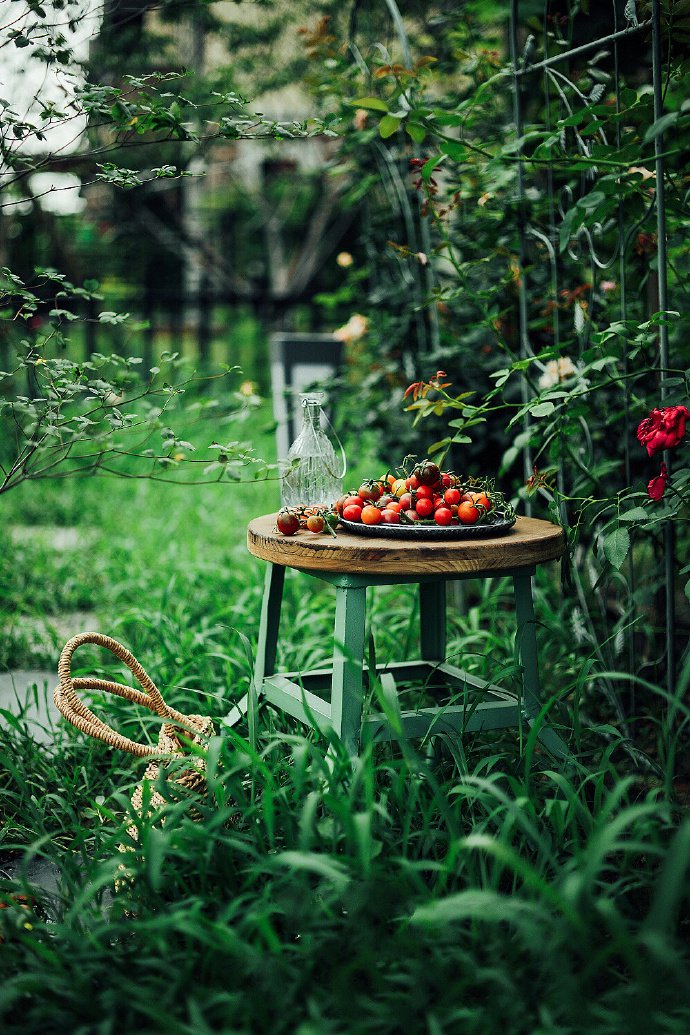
(465, 884)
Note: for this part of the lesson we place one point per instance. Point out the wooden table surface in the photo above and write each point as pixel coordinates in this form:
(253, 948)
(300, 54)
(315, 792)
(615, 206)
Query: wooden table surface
(530, 541)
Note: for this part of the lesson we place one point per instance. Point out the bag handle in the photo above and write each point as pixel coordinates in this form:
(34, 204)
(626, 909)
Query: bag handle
(75, 711)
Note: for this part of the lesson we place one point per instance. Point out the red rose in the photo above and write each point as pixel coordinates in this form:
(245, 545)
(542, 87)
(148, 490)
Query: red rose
(657, 486)
(663, 429)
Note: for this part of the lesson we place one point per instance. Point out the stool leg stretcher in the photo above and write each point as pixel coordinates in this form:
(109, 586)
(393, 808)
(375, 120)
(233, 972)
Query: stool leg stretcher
(333, 697)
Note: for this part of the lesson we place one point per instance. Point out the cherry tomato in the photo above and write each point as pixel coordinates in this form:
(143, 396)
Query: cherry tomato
(316, 523)
(427, 473)
(385, 500)
(468, 513)
(406, 501)
(425, 492)
(398, 487)
(287, 521)
(369, 490)
(412, 482)
(447, 480)
(412, 515)
(396, 506)
(424, 506)
(353, 501)
(390, 516)
(451, 496)
(352, 513)
(443, 516)
(371, 515)
(481, 499)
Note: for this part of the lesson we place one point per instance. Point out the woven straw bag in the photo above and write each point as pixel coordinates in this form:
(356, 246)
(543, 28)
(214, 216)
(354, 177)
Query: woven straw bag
(196, 729)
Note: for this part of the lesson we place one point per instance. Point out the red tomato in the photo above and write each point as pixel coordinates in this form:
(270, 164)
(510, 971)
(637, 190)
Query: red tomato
(406, 501)
(395, 506)
(481, 499)
(412, 515)
(443, 516)
(390, 516)
(353, 501)
(385, 500)
(369, 490)
(412, 482)
(447, 480)
(451, 496)
(425, 492)
(372, 515)
(352, 513)
(316, 523)
(424, 507)
(287, 522)
(468, 513)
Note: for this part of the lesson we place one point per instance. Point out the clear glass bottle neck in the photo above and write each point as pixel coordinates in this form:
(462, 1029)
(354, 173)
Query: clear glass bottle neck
(312, 413)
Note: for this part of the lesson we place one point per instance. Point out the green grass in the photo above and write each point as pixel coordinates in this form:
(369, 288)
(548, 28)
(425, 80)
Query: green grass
(464, 886)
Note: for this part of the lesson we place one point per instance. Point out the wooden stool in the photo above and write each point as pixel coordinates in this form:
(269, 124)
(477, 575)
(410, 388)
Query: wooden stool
(351, 563)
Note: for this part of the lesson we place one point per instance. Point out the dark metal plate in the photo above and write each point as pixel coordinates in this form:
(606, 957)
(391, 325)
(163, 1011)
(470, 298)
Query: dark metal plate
(420, 531)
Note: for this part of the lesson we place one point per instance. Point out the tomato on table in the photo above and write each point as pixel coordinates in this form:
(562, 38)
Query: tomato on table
(371, 515)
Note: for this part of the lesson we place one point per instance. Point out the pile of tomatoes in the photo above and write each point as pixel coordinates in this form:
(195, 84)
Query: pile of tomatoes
(316, 519)
(427, 495)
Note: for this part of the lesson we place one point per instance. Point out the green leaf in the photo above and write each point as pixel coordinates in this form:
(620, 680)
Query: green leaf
(661, 125)
(509, 457)
(437, 447)
(388, 125)
(317, 865)
(415, 131)
(430, 165)
(542, 409)
(475, 904)
(671, 886)
(370, 104)
(636, 514)
(592, 200)
(454, 150)
(155, 857)
(616, 547)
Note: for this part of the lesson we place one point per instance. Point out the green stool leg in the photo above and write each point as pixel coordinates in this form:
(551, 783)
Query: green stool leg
(270, 622)
(348, 659)
(265, 651)
(432, 620)
(268, 639)
(527, 647)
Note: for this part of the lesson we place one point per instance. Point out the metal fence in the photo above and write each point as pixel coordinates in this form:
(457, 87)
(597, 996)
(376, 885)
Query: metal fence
(606, 250)
(556, 253)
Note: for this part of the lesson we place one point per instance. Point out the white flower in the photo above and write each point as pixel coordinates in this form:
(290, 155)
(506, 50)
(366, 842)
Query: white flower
(344, 259)
(355, 328)
(557, 370)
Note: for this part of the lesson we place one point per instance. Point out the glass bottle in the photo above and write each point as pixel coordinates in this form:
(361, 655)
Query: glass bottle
(313, 477)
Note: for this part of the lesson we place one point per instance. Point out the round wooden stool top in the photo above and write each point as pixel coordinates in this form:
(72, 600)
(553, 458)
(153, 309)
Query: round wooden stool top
(530, 541)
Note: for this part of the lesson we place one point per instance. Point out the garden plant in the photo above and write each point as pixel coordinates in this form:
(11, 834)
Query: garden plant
(507, 312)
